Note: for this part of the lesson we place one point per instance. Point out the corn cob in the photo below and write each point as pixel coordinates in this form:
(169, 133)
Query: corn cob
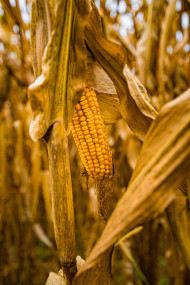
(90, 136)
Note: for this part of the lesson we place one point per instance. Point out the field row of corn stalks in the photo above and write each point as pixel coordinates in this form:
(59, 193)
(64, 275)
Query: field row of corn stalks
(56, 201)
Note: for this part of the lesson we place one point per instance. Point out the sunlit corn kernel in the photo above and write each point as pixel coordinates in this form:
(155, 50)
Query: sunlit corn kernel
(96, 122)
(75, 120)
(99, 127)
(88, 94)
(101, 159)
(86, 109)
(106, 156)
(87, 137)
(106, 161)
(107, 171)
(98, 153)
(89, 140)
(102, 166)
(91, 148)
(83, 124)
(83, 144)
(90, 122)
(96, 165)
(80, 113)
(80, 137)
(91, 104)
(88, 157)
(82, 98)
(98, 131)
(88, 114)
(82, 118)
(77, 107)
(97, 169)
(82, 103)
(86, 132)
(77, 125)
(98, 149)
(91, 128)
(84, 128)
(107, 167)
(75, 114)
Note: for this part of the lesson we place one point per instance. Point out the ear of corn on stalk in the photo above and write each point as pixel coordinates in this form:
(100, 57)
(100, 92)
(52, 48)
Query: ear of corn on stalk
(90, 136)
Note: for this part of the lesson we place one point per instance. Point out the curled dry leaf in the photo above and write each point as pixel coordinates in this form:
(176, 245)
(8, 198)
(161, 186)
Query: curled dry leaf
(107, 97)
(59, 62)
(163, 164)
(179, 219)
(135, 107)
(56, 279)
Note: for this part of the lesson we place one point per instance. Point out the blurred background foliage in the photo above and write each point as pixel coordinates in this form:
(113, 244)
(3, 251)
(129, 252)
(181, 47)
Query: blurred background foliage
(155, 35)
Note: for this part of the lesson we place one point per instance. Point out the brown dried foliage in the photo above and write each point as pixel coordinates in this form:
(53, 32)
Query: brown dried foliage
(142, 86)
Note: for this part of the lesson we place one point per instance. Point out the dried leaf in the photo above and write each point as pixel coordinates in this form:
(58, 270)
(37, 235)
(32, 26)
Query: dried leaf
(57, 89)
(46, 194)
(109, 108)
(42, 235)
(40, 32)
(163, 164)
(179, 219)
(135, 108)
(62, 199)
(166, 25)
(56, 279)
(107, 97)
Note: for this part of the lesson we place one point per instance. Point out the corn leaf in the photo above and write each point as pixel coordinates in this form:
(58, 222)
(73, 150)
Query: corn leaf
(135, 106)
(59, 65)
(179, 219)
(108, 100)
(163, 164)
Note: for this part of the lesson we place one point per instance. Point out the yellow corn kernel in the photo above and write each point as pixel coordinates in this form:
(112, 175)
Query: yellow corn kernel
(86, 132)
(84, 128)
(89, 140)
(77, 107)
(82, 118)
(80, 113)
(87, 137)
(86, 109)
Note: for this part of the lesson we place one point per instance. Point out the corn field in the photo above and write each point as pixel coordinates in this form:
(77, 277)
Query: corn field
(94, 142)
